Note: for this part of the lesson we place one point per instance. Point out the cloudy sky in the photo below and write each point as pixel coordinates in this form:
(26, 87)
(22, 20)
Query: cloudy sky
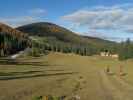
(108, 19)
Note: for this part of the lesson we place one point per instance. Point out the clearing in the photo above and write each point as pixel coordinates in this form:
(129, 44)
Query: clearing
(65, 75)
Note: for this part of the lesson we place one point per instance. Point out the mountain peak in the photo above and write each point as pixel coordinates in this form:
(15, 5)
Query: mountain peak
(47, 29)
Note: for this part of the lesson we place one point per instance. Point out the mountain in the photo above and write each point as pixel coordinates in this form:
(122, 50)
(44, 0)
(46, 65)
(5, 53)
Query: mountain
(11, 40)
(51, 30)
(47, 29)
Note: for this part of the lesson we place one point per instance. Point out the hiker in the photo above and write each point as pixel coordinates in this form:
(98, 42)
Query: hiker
(108, 70)
(121, 70)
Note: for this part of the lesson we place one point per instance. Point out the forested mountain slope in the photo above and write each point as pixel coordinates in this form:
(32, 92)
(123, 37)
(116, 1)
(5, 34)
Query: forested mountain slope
(11, 40)
(62, 34)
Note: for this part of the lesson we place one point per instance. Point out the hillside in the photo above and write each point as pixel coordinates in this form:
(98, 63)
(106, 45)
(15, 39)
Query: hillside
(11, 40)
(9, 30)
(52, 30)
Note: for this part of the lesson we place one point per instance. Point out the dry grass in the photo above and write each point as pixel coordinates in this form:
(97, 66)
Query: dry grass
(57, 74)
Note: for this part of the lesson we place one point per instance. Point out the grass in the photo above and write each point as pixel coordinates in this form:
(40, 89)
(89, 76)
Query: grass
(58, 75)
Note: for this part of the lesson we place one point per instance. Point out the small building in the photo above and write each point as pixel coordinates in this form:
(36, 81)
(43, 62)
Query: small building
(104, 54)
(108, 54)
(115, 56)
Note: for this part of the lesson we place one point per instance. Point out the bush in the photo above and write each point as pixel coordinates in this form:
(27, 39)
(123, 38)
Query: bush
(35, 52)
(38, 98)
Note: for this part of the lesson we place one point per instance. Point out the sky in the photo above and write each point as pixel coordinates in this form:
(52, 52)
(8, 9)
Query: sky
(107, 19)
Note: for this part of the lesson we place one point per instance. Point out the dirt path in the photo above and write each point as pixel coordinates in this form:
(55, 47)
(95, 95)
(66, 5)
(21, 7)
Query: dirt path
(115, 88)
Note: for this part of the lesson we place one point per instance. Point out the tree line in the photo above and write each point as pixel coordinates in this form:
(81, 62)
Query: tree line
(10, 44)
(44, 46)
(124, 49)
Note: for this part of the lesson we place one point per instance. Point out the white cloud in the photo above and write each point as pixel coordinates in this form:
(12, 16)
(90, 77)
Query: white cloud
(118, 17)
(32, 16)
(20, 20)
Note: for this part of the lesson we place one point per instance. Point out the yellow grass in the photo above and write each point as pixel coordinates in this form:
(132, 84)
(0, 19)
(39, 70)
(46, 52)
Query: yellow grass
(60, 74)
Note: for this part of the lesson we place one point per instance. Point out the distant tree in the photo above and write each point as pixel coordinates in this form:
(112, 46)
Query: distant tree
(126, 50)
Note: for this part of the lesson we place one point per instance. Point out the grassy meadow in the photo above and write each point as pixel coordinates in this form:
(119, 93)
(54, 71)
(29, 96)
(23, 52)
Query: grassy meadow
(62, 75)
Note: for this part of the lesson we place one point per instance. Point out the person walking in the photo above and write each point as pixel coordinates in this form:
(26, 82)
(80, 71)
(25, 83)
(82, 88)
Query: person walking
(121, 71)
(108, 70)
